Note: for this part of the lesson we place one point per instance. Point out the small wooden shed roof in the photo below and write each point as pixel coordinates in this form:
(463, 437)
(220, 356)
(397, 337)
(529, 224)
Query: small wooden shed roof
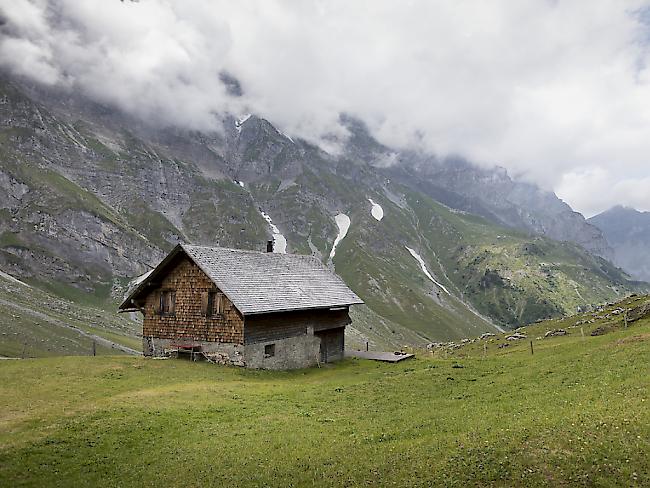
(257, 282)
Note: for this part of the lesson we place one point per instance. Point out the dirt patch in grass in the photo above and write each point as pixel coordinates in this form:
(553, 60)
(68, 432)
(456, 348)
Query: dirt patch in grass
(631, 339)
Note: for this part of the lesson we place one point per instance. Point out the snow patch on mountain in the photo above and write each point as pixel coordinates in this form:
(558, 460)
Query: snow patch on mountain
(241, 121)
(283, 134)
(419, 259)
(343, 222)
(377, 212)
(279, 241)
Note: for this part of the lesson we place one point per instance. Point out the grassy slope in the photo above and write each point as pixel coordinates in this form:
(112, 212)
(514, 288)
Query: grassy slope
(30, 324)
(509, 276)
(574, 413)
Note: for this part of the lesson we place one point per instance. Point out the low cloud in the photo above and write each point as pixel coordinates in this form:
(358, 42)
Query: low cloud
(556, 92)
(593, 191)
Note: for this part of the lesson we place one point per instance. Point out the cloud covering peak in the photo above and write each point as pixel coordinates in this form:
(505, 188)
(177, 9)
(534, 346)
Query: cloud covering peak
(556, 92)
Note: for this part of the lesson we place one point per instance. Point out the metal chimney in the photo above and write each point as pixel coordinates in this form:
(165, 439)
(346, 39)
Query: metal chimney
(269, 246)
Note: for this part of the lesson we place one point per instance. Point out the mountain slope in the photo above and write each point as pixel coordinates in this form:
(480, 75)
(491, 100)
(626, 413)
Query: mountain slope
(489, 192)
(36, 323)
(628, 232)
(91, 199)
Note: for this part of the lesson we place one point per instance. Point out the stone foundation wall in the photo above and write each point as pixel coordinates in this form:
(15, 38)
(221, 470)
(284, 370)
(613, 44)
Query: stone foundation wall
(219, 352)
(292, 353)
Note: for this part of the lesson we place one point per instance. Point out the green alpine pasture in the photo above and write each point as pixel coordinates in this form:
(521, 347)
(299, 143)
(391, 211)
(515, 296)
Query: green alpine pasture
(574, 413)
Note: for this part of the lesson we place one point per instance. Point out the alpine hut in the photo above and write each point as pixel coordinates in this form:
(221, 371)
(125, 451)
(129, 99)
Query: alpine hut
(245, 308)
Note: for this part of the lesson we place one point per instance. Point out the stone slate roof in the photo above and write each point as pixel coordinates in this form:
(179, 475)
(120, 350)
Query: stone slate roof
(258, 282)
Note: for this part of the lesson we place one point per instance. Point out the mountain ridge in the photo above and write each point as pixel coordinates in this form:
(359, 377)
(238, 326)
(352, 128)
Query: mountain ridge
(628, 231)
(488, 192)
(92, 203)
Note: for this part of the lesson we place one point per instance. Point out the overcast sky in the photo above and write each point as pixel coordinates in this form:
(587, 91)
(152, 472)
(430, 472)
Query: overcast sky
(558, 92)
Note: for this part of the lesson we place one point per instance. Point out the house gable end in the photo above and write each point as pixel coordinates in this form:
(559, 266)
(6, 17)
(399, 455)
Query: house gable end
(140, 292)
(189, 320)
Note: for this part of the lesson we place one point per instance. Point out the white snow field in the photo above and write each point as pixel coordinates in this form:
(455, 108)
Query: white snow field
(240, 121)
(343, 221)
(419, 259)
(377, 212)
(279, 241)
(284, 135)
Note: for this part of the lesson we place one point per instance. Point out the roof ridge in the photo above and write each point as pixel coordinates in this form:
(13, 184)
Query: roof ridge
(250, 251)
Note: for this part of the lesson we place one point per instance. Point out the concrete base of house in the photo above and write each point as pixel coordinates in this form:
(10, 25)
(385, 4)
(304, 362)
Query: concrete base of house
(289, 353)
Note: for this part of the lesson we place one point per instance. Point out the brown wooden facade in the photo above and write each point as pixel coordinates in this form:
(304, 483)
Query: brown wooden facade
(190, 319)
(182, 306)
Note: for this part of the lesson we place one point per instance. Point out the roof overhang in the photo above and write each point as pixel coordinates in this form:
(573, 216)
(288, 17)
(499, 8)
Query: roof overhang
(128, 304)
(132, 309)
(333, 307)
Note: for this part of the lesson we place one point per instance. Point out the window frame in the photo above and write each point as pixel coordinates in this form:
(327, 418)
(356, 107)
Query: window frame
(171, 311)
(214, 297)
(269, 350)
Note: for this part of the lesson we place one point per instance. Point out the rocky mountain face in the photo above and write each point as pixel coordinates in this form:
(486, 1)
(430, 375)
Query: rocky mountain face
(490, 193)
(628, 232)
(90, 198)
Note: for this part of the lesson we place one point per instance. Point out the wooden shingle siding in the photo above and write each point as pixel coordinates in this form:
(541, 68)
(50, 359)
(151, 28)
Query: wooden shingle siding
(275, 326)
(189, 320)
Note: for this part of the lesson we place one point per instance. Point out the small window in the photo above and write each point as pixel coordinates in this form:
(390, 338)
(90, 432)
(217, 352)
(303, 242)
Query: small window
(269, 350)
(167, 302)
(215, 304)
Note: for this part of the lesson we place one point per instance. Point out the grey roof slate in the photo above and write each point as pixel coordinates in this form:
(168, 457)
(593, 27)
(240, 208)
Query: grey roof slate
(259, 282)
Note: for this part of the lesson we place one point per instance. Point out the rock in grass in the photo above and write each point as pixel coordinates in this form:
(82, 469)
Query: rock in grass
(516, 336)
(556, 332)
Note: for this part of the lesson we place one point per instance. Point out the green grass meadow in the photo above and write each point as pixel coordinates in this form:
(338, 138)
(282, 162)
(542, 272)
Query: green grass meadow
(575, 413)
